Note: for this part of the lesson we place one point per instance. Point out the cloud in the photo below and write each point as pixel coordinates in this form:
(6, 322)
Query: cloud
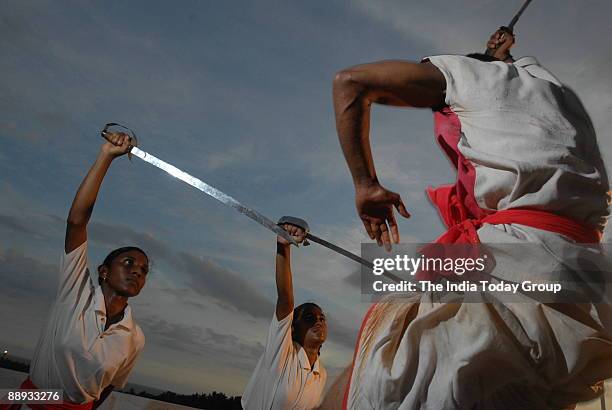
(206, 342)
(25, 276)
(342, 333)
(229, 288)
(17, 225)
(353, 279)
(115, 236)
(234, 156)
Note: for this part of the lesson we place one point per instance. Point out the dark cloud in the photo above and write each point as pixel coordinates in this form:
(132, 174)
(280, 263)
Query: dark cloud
(353, 279)
(115, 236)
(204, 342)
(342, 333)
(17, 225)
(211, 280)
(34, 225)
(27, 277)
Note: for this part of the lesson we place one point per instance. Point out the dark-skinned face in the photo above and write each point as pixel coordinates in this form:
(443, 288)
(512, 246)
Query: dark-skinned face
(127, 273)
(310, 329)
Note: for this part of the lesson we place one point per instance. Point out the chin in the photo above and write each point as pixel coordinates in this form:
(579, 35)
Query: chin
(128, 292)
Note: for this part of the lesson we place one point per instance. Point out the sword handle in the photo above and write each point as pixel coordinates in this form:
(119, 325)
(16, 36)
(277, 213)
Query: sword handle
(299, 222)
(505, 29)
(132, 135)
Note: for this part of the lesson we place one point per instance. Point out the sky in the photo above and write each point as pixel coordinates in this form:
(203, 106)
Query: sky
(238, 94)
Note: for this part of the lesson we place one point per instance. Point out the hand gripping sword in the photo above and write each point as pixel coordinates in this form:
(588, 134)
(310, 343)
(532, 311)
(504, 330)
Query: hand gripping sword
(510, 27)
(304, 225)
(229, 201)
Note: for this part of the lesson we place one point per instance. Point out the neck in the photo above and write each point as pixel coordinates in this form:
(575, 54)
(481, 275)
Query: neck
(312, 352)
(115, 305)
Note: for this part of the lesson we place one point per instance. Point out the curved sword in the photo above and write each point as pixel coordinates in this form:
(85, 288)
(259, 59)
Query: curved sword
(210, 190)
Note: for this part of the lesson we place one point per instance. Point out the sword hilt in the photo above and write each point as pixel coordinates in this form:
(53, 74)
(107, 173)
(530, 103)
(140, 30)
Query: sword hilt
(510, 27)
(505, 29)
(299, 222)
(132, 135)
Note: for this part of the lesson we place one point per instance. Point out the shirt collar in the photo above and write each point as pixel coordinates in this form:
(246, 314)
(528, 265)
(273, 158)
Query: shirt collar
(526, 61)
(533, 67)
(127, 322)
(305, 363)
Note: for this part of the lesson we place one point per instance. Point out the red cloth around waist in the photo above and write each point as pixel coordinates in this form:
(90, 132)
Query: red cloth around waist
(463, 230)
(27, 384)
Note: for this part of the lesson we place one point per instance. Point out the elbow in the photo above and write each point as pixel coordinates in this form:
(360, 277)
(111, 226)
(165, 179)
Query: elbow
(76, 222)
(349, 90)
(346, 80)
(79, 216)
(285, 302)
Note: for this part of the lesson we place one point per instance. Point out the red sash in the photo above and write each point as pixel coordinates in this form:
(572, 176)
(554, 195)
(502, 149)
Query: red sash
(463, 230)
(27, 384)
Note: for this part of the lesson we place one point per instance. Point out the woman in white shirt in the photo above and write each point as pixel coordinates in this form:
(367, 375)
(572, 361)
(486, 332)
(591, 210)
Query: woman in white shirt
(90, 342)
(289, 374)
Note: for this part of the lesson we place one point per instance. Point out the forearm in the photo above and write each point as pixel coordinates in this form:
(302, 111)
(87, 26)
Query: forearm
(83, 203)
(284, 284)
(353, 127)
(85, 198)
(397, 83)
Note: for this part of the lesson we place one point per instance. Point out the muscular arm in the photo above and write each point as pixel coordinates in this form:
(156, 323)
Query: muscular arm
(284, 283)
(397, 83)
(85, 198)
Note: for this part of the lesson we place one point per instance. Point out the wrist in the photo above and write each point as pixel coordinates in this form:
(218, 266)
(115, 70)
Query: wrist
(365, 183)
(283, 248)
(104, 155)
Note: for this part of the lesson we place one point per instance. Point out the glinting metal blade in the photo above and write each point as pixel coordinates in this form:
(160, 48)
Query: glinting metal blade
(350, 255)
(213, 192)
(518, 14)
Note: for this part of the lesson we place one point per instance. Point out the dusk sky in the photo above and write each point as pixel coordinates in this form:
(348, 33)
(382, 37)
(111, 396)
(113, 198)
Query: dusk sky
(239, 95)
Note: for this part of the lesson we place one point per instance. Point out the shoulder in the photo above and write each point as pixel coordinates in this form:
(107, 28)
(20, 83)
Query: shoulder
(74, 256)
(471, 84)
(533, 67)
(138, 338)
(459, 65)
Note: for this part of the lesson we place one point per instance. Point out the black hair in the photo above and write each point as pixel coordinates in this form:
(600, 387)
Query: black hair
(483, 57)
(111, 257)
(298, 311)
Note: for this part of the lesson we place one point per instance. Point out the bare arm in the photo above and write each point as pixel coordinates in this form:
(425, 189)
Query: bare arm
(85, 198)
(397, 83)
(284, 282)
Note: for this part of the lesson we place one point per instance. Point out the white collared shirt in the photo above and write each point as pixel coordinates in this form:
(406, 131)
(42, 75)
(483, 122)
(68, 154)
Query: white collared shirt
(529, 139)
(283, 378)
(74, 352)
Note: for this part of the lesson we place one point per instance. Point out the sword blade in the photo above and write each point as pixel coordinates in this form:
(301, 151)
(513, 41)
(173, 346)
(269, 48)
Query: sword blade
(349, 255)
(518, 14)
(213, 192)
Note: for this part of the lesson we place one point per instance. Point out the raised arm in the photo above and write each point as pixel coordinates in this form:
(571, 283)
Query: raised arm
(85, 198)
(397, 83)
(284, 282)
